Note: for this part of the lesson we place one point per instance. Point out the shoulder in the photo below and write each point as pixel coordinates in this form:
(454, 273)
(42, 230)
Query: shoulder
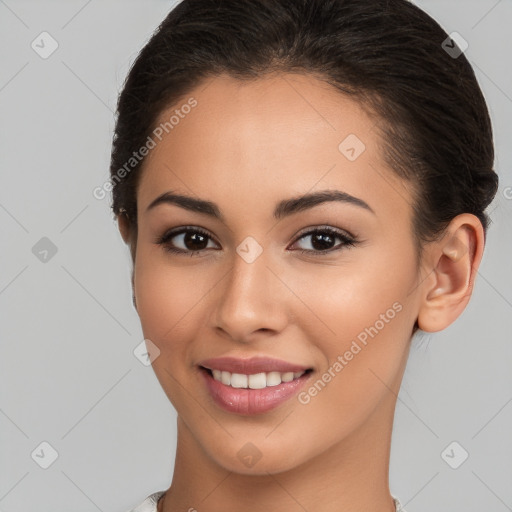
(149, 504)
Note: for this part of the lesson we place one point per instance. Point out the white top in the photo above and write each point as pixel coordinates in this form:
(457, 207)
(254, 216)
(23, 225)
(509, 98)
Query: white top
(149, 504)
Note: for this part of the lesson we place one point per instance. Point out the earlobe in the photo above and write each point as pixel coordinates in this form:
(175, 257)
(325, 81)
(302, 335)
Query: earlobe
(455, 261)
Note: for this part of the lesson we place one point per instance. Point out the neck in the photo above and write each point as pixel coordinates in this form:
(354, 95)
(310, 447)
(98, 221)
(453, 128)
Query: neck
(350, 476)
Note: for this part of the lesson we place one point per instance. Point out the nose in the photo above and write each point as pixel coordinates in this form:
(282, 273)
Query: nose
(251, 301)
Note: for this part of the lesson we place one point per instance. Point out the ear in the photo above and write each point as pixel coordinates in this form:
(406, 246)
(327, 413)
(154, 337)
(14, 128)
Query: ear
(134, 300)
(122, 223)
(454, 262)
(124, 229)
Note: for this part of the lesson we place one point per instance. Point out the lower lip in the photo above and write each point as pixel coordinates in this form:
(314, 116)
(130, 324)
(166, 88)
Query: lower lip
(251, 401)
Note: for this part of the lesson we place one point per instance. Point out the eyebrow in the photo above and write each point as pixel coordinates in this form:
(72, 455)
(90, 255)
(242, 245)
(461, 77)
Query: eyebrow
(283, 209)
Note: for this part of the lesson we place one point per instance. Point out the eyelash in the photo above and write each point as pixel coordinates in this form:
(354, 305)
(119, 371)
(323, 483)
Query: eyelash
(347, 240)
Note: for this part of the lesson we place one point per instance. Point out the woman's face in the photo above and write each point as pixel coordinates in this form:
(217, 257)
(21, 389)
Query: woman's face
(340, 301)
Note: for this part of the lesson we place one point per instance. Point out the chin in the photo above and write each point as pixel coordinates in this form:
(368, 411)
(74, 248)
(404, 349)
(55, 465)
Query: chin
(257, 459)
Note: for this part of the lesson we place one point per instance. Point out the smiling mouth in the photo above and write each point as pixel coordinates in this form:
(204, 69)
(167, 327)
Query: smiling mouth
(260, 380)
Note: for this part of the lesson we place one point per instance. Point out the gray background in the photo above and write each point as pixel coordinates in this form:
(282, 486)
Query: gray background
(68, 375)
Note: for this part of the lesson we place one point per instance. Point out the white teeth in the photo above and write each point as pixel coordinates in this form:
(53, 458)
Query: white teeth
(238, 380)
(273, 379)
(256, 380)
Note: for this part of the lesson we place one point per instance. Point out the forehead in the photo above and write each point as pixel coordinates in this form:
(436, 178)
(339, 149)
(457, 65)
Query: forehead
(274, 137)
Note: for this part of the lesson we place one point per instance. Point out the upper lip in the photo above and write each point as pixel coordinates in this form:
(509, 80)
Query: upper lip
(251, 366)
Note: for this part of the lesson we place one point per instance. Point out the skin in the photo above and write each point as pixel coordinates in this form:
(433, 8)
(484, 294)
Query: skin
(246, 146)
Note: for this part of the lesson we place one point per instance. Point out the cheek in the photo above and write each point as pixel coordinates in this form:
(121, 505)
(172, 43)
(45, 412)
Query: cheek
(362, 342)
(168, 301)
(359, 320)
(167, 295)
(345, 300)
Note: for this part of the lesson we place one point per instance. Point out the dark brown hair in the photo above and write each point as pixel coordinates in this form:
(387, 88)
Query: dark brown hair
(387, 54)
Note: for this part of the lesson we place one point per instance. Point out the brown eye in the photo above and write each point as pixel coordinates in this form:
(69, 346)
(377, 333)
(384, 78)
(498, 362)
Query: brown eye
(194, 241)
(186, 241)
(323, 240)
